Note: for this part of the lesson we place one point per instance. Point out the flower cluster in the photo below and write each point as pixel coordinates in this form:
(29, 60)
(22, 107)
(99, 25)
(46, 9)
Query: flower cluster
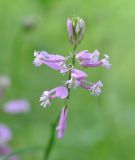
(77, 78)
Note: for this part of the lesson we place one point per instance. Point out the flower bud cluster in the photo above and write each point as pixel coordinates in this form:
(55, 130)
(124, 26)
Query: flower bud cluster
(76, 28)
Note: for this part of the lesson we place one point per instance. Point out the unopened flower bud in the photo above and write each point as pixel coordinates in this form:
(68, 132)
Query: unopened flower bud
(70, 31)
(80, 28)
(62, 123)
(75, 27)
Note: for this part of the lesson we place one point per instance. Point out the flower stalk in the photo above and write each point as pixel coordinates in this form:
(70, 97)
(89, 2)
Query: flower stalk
(51, 141)
(76, 77)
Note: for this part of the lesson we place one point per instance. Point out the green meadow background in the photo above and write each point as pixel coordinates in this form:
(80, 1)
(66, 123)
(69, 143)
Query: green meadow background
(99, 128)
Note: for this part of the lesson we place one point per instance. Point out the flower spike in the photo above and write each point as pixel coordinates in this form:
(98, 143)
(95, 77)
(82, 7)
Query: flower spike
(77, 77)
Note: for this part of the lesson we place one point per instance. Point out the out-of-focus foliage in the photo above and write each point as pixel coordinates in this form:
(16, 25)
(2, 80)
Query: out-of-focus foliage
(99, 128)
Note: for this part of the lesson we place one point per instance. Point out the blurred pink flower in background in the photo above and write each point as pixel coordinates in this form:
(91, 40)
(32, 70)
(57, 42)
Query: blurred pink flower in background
(5, 134)
(17, 106)
(5, 150)
(5, 137)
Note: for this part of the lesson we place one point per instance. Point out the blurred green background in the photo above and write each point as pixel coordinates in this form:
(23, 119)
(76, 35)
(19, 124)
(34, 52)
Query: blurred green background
(99, 128)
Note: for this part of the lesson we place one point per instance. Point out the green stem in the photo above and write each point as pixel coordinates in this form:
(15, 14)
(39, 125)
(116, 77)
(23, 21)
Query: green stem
(51, 141)
(73, 63)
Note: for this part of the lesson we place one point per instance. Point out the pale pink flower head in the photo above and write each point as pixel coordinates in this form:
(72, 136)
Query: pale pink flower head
(87, 59)
(5, 134)
(17, 106)
(58, 92)
(62, 123)
(56, 62)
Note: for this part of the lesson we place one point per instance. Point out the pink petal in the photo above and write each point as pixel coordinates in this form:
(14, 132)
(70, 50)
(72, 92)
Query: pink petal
(61, 92)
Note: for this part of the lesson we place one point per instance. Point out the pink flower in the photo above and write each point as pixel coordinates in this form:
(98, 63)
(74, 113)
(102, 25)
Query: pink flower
(94, 88)
(78, 74)
(5, 134)
(17, 106)
(76, 77)
(56, 62)
(62, 123)
(59, 92)
(87, 59)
